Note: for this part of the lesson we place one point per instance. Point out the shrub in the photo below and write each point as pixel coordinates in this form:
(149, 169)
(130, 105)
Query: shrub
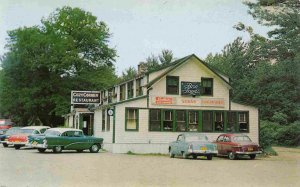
(289, 135)
(268, 132)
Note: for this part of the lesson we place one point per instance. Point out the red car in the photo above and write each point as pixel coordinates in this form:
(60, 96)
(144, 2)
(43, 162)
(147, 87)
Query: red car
(233, 145)
(5, 124)
(21, 139)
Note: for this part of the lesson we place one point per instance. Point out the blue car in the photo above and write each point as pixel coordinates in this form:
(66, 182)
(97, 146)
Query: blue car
(192, 144)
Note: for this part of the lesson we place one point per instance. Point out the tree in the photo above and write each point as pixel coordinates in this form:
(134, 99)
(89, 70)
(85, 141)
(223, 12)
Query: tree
(69, 51)
(164, 59)
(128, 74)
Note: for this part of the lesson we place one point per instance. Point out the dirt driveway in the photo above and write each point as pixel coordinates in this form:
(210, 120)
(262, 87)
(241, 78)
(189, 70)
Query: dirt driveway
(27, 167)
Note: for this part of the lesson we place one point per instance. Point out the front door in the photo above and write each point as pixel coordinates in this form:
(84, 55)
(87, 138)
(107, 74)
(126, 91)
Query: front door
(87, 124)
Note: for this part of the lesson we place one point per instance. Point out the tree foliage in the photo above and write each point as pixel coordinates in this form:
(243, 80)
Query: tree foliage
(265, 71)
(69, 51)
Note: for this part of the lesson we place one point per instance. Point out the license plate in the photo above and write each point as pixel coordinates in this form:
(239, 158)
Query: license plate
(250, 148)
(203, 148)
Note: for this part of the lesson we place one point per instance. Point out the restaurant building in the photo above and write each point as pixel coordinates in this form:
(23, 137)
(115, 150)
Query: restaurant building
(145, 114)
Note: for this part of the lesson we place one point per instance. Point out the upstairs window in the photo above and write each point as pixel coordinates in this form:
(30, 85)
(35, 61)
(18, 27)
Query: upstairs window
(130, 90)
(207, 86)
(172, 85)
(139, 88)
(122, 92)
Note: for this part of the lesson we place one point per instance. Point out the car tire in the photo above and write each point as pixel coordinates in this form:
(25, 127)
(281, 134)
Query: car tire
(232, 156)
(5, 145)
(252, 157)
(79, 150)
(194, 156)
(41, 150)
(95, 148)
(171, 154)
(57, 149)
(17, 147)
(184, 155)
(209, 157)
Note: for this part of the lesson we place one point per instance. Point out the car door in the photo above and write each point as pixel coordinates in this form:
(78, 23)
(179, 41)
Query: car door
(175, 146)
(219, 143)
(181, 144)
(227, 145)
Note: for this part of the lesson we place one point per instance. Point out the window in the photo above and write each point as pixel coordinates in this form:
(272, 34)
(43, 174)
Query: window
(172, 85)
(193, 121)
(107, 121)
(168, 120)
(110, 94)
(219, 121)
(122, 92)
(103, 120)
(207, 121)
(231, 121)
(155, 120)
(243, 122)
(206, 86)
(180, 138)
(139, 88)
(130, 90)
(220, 138)
(132, 119)
(43, 130)
(180, 120)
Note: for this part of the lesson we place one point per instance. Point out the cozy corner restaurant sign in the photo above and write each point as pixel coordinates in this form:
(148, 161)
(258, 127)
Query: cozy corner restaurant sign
(85, 97)
(215, 102)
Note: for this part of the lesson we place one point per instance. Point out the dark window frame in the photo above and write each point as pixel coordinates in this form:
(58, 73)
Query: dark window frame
(168, 92)
(160, 120)
(130, 90)
(203, 89)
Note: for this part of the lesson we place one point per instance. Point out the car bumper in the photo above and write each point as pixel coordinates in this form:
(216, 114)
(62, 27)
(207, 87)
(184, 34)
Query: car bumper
(5, 142)
(248, 153)
(17, 143)
(37, 146)
(203, 152)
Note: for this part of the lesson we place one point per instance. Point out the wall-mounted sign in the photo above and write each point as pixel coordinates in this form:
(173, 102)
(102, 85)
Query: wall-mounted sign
(163, 100)
(110, 112)
(85, 97)
(190, 88)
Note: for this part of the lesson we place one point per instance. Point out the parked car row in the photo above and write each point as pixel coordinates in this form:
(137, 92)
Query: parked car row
(231, 145)
(56, 139)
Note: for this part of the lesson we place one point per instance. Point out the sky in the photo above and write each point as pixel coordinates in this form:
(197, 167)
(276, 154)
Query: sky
(143, 27)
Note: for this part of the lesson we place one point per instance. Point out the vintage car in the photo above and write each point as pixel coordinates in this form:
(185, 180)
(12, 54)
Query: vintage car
(21, 139)
(234, 145)
(192, 144)
(9, 132)
(59, 139)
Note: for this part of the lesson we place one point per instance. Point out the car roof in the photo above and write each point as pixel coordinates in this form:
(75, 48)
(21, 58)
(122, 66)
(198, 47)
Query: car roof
(62, 130)
(35, 127)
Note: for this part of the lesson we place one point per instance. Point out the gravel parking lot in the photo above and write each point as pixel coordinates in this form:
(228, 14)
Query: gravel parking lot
(27, 167)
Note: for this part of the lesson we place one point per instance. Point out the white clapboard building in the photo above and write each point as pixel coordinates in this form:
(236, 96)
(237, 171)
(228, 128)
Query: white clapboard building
(144, 114)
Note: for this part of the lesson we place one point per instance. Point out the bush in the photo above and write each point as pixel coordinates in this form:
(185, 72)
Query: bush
(289, 135)
(268, 132)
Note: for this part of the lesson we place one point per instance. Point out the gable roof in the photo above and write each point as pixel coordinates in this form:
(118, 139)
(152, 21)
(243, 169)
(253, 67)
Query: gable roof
(181, 61)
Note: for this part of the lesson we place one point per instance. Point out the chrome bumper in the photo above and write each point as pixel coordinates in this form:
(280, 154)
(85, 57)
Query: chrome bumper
(202, 151)
(248, 153)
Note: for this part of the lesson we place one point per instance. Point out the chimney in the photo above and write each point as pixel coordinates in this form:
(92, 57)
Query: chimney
(142, 68)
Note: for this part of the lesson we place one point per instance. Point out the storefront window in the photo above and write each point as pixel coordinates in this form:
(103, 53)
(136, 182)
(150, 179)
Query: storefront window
(139, 88)
(219, 121)
(168, 120)
(122, 92)
(207, 86)
(193, 121)
(130, 90)
(172, 85)
(243, 121)
(132, 119)
(180, 120)
(231, 121)
(207, 121)
(155, 120)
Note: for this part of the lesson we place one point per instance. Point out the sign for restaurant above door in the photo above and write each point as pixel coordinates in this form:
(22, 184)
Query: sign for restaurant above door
(85, 97)
(190, 88)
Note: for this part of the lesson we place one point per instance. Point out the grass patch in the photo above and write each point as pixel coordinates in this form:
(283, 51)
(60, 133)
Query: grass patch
(269, 151)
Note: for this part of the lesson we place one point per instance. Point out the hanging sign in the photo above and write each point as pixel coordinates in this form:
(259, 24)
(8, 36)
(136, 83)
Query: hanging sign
(190, 88)
(85, 97)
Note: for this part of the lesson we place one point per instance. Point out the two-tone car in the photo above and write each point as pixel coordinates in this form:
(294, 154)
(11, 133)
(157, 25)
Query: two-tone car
(58, 139)
(8, 133)
(233, 145)
(192, 144)
(21, 139)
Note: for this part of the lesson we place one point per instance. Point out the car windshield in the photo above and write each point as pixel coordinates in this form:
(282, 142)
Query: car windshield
(27, 131)
(13, 131)
(241, 139)
(52, 132)
(192, 138)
